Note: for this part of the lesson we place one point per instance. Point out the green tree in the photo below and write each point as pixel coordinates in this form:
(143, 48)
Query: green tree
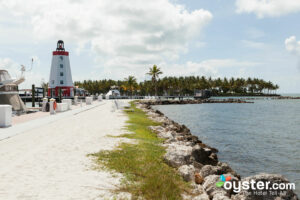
(154, 72)
(131, 84)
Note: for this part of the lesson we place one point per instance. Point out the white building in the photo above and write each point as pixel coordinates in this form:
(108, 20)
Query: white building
(60, 74)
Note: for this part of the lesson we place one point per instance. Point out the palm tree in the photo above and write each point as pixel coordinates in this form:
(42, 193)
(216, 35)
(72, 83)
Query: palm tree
(131, 83)
(179, 85)
(155, 72)
(45, 86)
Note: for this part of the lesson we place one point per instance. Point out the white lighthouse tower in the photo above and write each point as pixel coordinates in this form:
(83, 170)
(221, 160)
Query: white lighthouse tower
(60, 74)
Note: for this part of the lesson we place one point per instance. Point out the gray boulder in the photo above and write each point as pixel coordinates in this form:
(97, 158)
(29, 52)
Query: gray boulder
(207, 170)
(220, 196)
(197, 193)
(203, 196)
(221, 168)
(162, 132)
(187, 172)
(165, 134)
(204, 155)
(178, 155)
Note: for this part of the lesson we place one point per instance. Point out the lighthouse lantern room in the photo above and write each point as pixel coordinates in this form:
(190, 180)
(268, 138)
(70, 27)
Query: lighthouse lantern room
(60, 74)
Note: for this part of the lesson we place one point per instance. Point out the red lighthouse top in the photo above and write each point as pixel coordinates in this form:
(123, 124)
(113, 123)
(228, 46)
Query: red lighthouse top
(60, 49)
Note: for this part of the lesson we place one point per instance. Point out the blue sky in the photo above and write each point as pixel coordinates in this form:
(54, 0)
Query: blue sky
(246, 37)
(232, 38)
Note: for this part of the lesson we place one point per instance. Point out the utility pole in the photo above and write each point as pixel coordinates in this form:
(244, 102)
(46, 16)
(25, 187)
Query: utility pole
(33, 95)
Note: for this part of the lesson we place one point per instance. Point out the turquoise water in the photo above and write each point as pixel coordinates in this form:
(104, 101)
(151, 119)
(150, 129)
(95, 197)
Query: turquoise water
(252, 138)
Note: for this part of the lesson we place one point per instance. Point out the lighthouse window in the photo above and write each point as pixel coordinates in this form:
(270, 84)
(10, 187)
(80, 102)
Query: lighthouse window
(61, 66)
(61, 57)
(52, 81)
(61, 82)
(61, 74)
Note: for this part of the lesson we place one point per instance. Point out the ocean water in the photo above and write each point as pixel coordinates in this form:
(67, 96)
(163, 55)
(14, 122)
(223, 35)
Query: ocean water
(252, 138)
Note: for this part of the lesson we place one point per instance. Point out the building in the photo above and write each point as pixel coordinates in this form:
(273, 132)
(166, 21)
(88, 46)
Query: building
(60, 81)
(202, 94)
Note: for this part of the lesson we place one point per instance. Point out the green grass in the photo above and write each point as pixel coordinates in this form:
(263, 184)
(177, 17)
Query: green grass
(141, 163)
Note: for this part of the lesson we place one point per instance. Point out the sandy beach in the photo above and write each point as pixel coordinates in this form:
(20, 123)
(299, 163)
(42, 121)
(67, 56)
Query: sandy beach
(49, 160)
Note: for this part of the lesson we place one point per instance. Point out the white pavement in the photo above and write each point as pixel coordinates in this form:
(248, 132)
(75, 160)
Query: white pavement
(46, 159)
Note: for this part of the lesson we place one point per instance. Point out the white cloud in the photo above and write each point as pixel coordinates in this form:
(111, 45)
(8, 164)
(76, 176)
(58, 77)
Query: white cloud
(205, 68)
(124, 36)
(11, 66)
(293, 46)
(268, 8)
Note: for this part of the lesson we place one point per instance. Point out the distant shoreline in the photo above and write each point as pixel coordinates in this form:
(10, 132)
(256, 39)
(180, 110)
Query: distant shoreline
(246, 94)
(277, 96)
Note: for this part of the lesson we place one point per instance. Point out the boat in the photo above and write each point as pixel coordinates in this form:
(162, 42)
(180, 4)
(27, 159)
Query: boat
(9, 94)
(113, 93)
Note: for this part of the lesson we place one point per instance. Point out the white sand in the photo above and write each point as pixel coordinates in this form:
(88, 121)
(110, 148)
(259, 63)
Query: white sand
(49, 162)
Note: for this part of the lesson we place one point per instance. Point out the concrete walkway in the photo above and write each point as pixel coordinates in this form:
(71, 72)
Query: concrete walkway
(46, 158)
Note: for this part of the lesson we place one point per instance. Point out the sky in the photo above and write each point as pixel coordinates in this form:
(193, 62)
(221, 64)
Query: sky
(114, 39)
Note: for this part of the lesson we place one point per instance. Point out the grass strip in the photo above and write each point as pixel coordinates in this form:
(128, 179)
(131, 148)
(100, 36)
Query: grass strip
(141, 163)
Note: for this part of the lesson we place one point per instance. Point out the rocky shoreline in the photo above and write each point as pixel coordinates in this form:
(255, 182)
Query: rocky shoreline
(198, 163)
(194, 101)
(287, 97)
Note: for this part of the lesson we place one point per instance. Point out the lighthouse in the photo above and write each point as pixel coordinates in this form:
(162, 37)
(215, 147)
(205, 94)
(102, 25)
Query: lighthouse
(60, 75)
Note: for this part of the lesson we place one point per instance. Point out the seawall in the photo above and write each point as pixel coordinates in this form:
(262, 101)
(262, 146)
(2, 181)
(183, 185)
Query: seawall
(198, 163)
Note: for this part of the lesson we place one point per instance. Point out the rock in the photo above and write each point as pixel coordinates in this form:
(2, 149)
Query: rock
(158, 112)
(197, 189)
(187, 172)
(203, 196)
(170, 140)
(197, 193)
(156, 129)
(238, 197)
(210, 187)
(198, 178)
(220, 196)
(214, 150)
(215, 192)
(179, 138)
(203, 155)
(162, 132)
(192, 139)
(208, 170)
(265, 194)
(197, 165)
(221, 168)
(226, 169)
(178, 155)
(159, 119)
(166, 135)
(176, 142)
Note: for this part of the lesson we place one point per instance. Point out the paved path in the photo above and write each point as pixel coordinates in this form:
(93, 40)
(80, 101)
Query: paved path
(47, 159)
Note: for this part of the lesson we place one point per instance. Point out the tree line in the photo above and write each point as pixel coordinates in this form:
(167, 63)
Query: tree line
(180, 86)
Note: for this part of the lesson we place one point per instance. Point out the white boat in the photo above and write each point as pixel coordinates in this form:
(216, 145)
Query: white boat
(9, 94)
(113, 93)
